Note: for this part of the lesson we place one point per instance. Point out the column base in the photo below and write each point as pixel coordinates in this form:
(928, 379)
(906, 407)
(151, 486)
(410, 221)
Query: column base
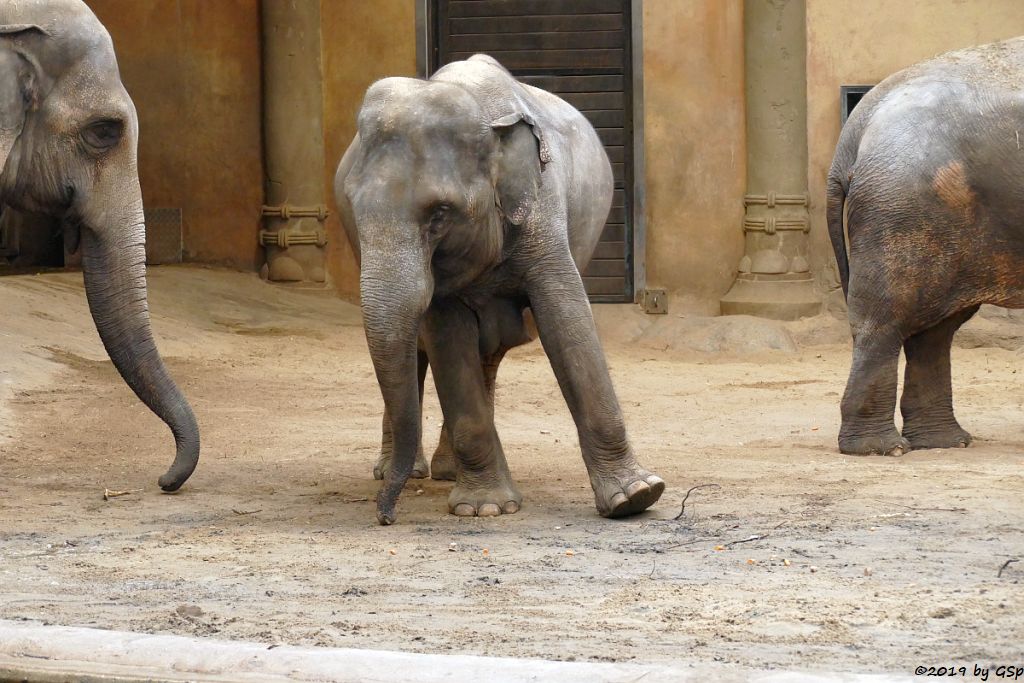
(775, 299)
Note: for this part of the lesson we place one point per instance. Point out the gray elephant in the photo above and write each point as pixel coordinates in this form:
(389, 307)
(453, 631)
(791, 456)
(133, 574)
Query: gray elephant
(68, 135)
(929, 169)
(470, 197)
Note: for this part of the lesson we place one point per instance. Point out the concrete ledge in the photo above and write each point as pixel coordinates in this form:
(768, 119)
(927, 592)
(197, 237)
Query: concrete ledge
(49, 654)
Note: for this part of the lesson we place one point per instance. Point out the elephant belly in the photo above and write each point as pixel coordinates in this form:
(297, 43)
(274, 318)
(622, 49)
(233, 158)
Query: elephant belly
(504, 324)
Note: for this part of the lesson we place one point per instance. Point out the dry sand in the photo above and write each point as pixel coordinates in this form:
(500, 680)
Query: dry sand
(800, 558)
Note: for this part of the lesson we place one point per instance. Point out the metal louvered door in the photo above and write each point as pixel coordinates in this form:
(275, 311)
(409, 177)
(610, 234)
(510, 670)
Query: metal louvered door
(579, 50)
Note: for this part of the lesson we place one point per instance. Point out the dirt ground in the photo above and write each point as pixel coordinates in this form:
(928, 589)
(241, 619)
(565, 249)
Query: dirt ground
(799, 558)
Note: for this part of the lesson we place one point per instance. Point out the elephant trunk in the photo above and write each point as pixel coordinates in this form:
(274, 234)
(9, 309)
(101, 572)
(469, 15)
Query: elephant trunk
(114, 264)
(394, 299)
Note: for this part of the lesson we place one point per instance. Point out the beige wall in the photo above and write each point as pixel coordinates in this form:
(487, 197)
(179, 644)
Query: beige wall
(193, 69)
(695, 147)
(862, 43)
(362, 42)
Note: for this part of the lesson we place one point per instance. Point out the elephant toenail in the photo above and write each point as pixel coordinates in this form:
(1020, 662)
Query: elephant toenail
(511, 507)
(636, 487)
(619, 499)
(895, 452)
(464, 510)
(655, 480)
(489, 510)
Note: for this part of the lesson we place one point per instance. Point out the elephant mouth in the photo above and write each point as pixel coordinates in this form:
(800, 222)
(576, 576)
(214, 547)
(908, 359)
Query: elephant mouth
(72, 231)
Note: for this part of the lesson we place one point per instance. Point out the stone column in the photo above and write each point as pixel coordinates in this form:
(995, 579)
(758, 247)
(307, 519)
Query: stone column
(293, 139)
(774, 278)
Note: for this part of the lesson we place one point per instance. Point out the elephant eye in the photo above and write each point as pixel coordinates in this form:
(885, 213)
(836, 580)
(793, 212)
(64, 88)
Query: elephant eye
(438, 215)
(102, 135)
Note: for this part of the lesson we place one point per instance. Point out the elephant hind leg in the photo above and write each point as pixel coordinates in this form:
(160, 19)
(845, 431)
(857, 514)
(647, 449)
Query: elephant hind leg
(869, 402)
(443, 465)
(420, 469)
(927, 402)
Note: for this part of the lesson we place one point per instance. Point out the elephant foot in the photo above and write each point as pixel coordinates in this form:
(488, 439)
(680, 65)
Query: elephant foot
(924, 437)
(420, 469)
(889, 443)
(500, 499)
(627, 492)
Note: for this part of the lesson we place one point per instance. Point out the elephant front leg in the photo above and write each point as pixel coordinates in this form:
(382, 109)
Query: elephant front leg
(483, 484)
(927, 403)
(420, 469)
(444, 465)
(869, 402)
(566, 325)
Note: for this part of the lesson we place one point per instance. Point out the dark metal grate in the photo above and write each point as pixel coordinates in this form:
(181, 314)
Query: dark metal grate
(163, 235)
(849, 97)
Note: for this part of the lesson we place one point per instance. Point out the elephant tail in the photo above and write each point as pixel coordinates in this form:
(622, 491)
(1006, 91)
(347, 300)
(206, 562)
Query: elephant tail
(835, 201)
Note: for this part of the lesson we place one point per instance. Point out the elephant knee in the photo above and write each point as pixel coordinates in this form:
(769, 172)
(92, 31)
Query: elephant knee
(471, 438)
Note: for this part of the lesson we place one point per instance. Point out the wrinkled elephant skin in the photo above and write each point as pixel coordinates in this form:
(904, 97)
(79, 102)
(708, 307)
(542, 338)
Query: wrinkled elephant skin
(473, 200)
(929, 171)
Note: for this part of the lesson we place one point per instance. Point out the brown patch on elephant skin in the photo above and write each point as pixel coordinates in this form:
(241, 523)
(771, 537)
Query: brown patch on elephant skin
(950, 183)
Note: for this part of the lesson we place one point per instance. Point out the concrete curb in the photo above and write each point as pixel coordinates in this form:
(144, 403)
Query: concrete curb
(50, 654)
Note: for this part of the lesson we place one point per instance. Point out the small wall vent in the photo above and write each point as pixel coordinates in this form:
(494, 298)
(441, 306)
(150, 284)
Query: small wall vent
(849, 97)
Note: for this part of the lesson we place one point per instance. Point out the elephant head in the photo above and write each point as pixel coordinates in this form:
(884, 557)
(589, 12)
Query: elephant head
(68, 136)
(434, 184)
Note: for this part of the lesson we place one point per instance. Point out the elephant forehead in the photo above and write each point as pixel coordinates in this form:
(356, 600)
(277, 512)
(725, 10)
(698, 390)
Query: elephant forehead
(408, 106)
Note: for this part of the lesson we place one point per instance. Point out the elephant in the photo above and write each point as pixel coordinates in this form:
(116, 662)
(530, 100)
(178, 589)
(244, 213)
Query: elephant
(928, 169)
(472, 201)
(68, 139)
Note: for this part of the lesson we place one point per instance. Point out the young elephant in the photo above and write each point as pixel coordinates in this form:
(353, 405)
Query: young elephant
(470, 197)
(930, 166)
(68, 134)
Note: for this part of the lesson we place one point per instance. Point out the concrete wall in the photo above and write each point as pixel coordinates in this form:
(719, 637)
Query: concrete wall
(862, 43)
(362, 42)
(193, 69)
(695, 150)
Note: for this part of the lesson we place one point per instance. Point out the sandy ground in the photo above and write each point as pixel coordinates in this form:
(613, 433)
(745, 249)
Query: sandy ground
(799, 558)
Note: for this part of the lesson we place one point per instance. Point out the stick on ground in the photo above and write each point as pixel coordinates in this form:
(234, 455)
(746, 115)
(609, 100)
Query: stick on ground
(682, 508)
(1005, 565)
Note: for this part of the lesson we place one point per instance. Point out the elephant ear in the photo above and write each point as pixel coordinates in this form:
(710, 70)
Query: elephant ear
(18, 86)
(523, 154)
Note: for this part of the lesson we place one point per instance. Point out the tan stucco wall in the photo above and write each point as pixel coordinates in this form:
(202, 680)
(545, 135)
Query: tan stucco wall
(862, 43)
(193, 69)
(362, 42)
(695, 151)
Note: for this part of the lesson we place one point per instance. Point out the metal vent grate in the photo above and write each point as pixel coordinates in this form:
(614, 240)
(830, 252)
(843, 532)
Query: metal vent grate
(163, 235)
(849, 97)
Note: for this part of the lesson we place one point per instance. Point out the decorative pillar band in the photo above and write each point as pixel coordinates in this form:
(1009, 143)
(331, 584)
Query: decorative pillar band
(287, 212)
(771, 200)
(771, 224)
(284, 239)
